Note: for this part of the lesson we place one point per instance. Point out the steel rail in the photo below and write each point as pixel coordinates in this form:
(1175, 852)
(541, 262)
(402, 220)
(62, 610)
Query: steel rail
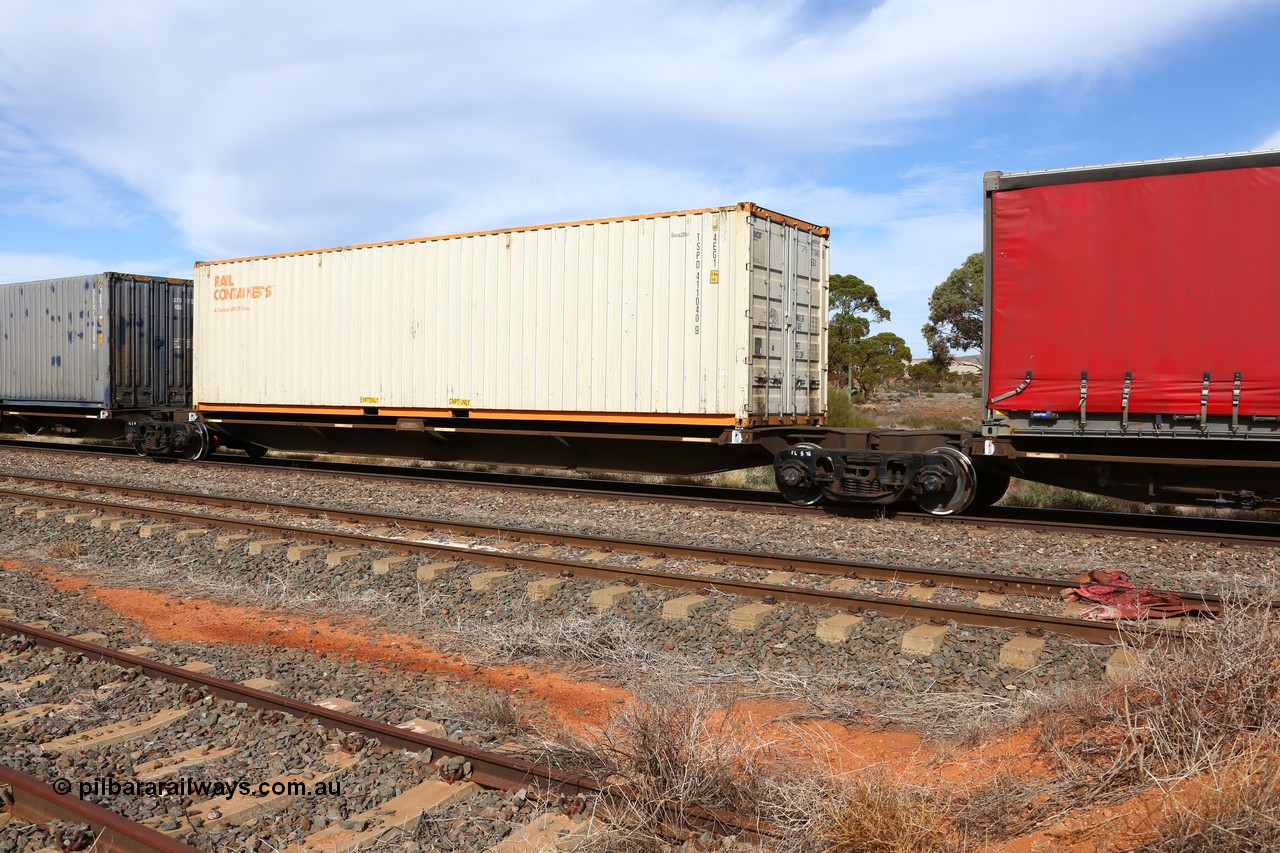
(36, 802)
(825, 566)
(489, 769)
(1091, 631)
(1234, 531)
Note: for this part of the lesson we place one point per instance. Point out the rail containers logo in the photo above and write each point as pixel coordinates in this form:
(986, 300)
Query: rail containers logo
(227, 291)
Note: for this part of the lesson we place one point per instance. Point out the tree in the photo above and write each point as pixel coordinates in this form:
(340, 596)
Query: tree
(850, 297)
(876, 359)
(843, 334)
(929, 372)
(955, 312)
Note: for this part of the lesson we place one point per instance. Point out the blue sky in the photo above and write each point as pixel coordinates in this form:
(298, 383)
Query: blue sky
(142, 135)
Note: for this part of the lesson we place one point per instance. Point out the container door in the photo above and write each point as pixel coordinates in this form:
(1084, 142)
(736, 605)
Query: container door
(150, 358)
(808, 328)
(787, 306)
(130, 368)
(173, 358)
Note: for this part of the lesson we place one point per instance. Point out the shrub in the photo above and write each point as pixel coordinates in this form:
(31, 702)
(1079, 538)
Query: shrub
(841, 413)
(745, 478)
(1238, 812)
(670, 747)
(1202, 700)
(941, 422)
(65, 549)
(874, 815)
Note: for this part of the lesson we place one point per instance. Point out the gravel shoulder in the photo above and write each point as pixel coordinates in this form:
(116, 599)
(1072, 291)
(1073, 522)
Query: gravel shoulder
(1170, 565)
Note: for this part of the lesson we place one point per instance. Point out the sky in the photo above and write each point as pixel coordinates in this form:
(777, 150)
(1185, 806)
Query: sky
(142, 135)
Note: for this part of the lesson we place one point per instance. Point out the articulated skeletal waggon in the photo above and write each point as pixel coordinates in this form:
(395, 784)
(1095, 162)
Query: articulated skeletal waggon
(1128, 348)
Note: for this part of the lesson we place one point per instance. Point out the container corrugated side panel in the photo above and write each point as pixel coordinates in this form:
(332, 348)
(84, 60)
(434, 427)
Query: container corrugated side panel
(50, 351)
(614, 317)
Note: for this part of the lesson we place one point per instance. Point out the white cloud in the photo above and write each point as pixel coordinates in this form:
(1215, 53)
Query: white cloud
(905, 243)
(274, 126)
(1272, 141)
(20, 266)
(268, 127)
(36, 182)
(35, 266)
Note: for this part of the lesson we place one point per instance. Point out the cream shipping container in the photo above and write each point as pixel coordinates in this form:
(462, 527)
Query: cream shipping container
(710, 318)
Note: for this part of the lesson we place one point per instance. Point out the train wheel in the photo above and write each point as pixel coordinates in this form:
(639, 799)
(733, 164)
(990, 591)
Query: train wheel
(955, 494)
(794, 480)
(198, 443)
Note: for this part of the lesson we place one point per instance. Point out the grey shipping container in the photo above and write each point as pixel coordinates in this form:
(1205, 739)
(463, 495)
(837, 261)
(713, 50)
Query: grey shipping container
(111, 341)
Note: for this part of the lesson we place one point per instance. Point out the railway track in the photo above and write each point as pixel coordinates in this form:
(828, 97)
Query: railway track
(847, 589)
(48, 704)
(71, 823)
(1173, 527)
(852, 587)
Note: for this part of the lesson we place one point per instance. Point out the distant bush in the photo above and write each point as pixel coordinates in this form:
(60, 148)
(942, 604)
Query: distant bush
(841, 413)
(928, 377)
(927, 372)
(943, 422)
(1041, 496)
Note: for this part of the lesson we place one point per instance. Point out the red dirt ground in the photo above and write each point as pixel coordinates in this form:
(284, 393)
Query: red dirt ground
(579, 701)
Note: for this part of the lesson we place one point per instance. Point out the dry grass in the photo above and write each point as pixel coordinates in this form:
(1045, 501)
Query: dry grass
(290, 589)
(1009, 807)
(937, 717)
(605, 640)
(675, 747)
(875, 815)
(961, 718)
(1197, 704)
(491, 708)
(66, 549)
(1236, 811)
(1041, 496)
